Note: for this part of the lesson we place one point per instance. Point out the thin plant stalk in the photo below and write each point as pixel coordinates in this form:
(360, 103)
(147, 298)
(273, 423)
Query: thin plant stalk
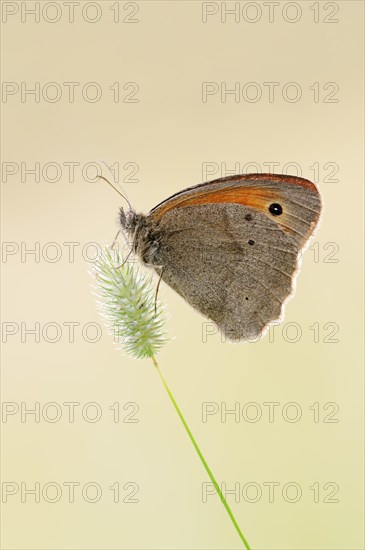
(200, 454)
(127, 301)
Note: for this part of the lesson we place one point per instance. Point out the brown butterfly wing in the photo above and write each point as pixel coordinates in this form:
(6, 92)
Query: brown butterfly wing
(235, 262)
(234, 270)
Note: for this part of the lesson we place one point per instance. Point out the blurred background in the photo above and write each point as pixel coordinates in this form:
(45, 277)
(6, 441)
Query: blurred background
(170, 94)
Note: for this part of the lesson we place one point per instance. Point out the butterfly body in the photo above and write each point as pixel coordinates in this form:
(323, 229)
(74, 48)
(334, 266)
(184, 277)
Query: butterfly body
(230, 247)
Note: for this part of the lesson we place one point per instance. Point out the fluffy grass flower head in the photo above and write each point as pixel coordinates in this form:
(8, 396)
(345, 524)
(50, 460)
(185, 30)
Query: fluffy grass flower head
(126, 298)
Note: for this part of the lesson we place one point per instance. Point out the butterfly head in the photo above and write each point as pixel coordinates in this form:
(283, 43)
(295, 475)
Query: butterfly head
(129, 220)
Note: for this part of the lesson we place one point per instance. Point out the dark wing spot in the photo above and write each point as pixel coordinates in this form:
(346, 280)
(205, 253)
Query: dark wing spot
(248, 217)
(275, 209)
(251, 242)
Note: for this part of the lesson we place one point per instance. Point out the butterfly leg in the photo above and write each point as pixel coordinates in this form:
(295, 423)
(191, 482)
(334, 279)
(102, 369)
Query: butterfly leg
(157, 288)
(127, 242)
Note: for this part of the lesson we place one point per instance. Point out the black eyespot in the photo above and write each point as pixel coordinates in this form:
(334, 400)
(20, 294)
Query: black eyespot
(246, 298)
(251, 242)
(275, 209)
(248, 217)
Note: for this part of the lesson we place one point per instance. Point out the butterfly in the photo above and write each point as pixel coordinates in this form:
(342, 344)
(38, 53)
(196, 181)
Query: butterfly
(230, 247)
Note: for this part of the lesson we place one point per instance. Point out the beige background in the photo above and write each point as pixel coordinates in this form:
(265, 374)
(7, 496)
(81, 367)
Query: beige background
(170, 133)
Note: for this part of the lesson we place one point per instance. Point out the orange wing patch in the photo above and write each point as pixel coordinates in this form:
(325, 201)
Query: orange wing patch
(254, 197)
(258, 191)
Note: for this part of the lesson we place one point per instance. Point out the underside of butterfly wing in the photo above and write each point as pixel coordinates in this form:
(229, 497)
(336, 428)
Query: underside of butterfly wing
(230, 247)
(229, 263)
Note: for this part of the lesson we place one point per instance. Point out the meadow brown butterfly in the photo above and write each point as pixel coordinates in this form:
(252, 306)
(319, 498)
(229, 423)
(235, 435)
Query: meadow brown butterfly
(230, 246)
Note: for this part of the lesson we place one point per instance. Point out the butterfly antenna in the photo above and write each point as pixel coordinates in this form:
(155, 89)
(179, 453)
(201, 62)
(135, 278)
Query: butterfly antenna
(115, 189)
